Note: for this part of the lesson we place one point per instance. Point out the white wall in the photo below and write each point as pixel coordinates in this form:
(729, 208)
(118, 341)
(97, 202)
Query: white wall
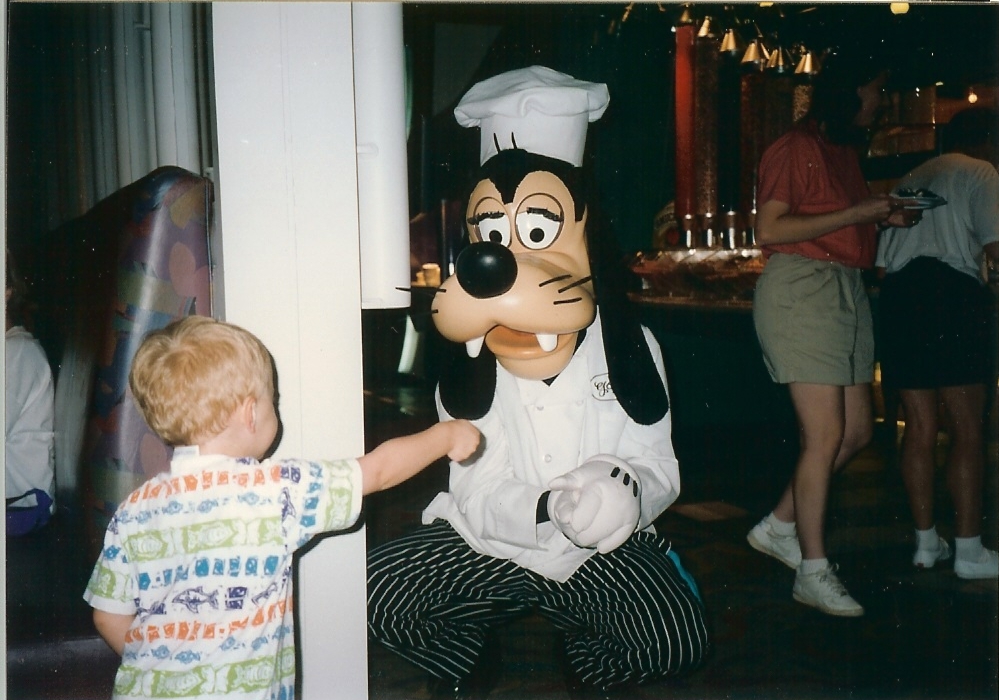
(287, 199)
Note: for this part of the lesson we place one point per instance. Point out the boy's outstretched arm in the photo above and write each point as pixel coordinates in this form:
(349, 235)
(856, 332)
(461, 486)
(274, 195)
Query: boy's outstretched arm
(113, 628)
(396, 460)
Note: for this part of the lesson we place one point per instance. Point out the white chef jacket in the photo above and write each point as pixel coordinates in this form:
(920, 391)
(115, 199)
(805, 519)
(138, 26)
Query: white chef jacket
(29, 403)
(533, 433)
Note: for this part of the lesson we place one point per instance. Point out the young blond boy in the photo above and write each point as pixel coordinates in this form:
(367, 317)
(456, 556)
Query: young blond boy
(193, 587)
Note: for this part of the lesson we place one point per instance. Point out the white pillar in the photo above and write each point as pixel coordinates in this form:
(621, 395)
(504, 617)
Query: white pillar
(383, 185)
(287, 198)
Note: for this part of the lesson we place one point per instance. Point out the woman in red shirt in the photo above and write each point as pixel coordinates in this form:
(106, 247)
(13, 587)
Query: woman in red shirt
(817, 226)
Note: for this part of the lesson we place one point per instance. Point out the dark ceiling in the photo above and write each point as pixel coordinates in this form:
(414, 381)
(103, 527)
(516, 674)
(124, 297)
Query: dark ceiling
(954, 43)
(950, 42)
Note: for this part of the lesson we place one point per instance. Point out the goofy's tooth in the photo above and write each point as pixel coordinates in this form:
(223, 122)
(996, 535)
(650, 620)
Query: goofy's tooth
(547, 341)
(474, 346)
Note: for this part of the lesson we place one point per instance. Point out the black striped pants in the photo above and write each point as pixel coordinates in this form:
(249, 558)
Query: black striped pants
(629, 616)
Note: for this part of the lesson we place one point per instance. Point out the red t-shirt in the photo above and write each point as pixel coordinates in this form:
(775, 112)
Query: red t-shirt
(813, 176)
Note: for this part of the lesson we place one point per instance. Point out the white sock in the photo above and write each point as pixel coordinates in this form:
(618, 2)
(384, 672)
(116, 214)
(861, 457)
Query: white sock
(780, 527)
(811, 566)
(928, 539)
(968, 548)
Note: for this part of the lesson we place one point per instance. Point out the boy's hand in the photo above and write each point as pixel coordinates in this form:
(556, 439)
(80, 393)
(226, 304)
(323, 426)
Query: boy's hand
(464, 440)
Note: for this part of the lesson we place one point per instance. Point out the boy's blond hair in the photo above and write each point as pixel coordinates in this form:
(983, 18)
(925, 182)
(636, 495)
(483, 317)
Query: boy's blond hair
(189, 377)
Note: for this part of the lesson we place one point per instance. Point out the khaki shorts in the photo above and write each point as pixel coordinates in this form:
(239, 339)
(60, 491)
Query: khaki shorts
(813, 321)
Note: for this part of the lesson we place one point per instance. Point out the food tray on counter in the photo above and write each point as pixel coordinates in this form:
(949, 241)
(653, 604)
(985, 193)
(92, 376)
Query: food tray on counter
(699, 274)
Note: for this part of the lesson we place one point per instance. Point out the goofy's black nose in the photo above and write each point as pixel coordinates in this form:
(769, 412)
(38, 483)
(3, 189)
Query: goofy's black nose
(486, 269)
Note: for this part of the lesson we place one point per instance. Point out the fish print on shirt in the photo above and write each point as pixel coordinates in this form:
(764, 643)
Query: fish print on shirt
(194, 598)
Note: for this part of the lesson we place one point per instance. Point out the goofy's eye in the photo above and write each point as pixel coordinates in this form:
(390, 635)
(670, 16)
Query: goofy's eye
(494, 228)
(538, 227)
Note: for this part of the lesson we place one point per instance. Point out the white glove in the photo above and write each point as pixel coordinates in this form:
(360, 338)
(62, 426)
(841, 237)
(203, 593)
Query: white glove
(597, 504)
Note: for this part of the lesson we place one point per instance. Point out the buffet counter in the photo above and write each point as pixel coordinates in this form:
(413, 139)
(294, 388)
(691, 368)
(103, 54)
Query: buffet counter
(698, 304)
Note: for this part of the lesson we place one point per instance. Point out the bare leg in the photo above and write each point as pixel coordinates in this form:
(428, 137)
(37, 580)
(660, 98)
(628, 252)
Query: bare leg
(821, 422)
(859, 427)
(857, 420)
(918, 460)
(965, 462)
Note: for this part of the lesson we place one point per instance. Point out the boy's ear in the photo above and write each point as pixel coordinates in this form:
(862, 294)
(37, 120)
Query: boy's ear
(246, 414)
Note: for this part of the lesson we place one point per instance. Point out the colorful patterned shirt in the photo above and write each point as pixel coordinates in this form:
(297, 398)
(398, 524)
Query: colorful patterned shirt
(202, 557)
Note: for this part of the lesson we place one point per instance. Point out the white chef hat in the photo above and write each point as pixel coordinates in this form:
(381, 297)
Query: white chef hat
(535, 109)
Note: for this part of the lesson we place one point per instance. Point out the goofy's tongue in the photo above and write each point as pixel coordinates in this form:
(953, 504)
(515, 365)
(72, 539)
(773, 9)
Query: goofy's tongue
(507, 342)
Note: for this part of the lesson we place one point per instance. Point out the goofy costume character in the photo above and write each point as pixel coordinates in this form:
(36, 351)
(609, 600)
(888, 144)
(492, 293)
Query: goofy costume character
(554, 516)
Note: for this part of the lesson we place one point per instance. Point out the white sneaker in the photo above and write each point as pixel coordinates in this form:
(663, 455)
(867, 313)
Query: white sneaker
(823, 590)
(926, 558)
(784, 548)
(987, 566)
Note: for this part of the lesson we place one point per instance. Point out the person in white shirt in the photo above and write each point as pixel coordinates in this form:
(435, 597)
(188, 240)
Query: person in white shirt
(29, 402)
(938, 337)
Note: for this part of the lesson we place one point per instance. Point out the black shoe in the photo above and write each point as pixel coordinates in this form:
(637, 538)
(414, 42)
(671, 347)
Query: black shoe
(477, 684)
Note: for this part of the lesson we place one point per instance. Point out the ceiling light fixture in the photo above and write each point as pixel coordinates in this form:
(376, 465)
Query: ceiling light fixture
(730, 42)
(807, 65)
(779, 61)
(755, 54)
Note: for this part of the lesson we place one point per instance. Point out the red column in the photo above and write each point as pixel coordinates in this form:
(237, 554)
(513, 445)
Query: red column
(686, 36)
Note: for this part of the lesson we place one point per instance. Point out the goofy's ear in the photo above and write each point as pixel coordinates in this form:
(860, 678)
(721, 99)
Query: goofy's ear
(467, 385)
(631, 369)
